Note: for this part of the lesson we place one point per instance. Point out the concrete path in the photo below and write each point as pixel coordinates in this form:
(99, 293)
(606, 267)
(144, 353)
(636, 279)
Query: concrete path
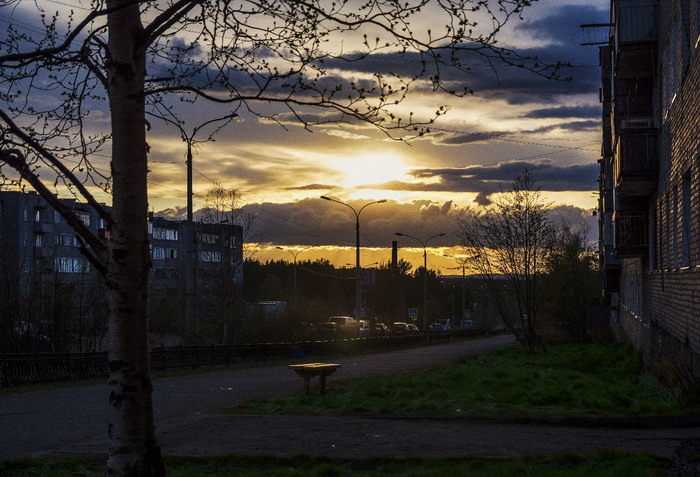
(189, 420)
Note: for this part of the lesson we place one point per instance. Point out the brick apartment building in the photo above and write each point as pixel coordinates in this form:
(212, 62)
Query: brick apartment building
(650, 181)
(42, 265)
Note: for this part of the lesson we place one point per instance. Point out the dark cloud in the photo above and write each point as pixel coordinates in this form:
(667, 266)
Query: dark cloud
(312, 187)
(319, 222)
(458, 139)
(574, 126)
(581, 111)
(549, 176)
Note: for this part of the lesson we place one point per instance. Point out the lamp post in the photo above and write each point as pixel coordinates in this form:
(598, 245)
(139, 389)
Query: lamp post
(424, 243)
(463, 266)
(295, 255)
(358, 285)
(190, 282)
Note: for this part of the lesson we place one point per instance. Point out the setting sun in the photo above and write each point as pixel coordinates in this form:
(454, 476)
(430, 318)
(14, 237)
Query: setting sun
(370, 169)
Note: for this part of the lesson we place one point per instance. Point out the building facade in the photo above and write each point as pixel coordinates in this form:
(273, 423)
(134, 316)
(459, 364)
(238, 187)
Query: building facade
(650, 182)
(42, 265)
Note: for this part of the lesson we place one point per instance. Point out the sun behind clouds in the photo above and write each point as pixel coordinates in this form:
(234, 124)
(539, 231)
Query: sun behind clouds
(370, 168)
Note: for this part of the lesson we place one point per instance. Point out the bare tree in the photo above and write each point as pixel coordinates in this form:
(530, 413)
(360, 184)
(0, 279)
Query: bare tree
(508, 244)
(251, 56)
(223, 205)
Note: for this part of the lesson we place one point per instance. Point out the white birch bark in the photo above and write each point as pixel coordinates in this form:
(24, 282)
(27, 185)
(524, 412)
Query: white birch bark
(133, 446)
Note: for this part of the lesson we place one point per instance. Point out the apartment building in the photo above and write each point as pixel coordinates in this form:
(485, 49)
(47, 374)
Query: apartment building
(42, 265)
(650, 181)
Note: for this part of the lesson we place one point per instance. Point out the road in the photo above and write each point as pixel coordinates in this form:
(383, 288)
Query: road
(190, 422)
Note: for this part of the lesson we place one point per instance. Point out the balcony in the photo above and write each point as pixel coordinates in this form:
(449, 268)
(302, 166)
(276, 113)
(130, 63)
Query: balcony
(636, 162)
(43, 228)
(635, 21)
(43, 252)
(635, 37)
(631, 237)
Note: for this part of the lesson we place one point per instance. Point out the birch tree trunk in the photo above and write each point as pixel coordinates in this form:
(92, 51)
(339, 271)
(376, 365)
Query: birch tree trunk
(133, 447)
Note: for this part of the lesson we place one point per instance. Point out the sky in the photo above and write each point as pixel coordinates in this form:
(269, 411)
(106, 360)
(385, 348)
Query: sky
(514, 120)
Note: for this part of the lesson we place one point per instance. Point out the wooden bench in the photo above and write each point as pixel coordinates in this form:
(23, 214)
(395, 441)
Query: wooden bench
(310, 370)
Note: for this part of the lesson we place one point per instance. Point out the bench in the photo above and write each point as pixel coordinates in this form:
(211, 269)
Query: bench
(310, 370)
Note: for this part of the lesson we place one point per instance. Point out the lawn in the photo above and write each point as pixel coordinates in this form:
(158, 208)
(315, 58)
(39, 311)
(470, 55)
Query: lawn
(570, 379)
(605, 464)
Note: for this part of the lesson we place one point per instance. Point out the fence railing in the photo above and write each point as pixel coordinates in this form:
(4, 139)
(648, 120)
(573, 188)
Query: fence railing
(28, 368)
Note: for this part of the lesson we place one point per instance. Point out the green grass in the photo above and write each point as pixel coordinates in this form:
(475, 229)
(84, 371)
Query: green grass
(570, 379)
(603, 464)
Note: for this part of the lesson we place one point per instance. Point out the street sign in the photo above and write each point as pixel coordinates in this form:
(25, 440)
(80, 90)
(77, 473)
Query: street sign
(413, 313)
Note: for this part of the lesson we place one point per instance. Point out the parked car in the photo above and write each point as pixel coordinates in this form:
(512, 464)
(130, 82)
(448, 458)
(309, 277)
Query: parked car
(380, 329)
(343, 323)
(326, 327)
(363, 328)
(399, 328)
(440, 325)
(467, 325)
(413, 328)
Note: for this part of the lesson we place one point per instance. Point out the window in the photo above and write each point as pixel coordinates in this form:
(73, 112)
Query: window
(158, 253)
(37, 240)
(208, 238)
(57, 217)
(84, 218)
(171, 253)
(674, 238)
(37, 215)
(685, 224)
(209, 256)
(70, 265)
(25, 215)
(667, 233)
(161, 233)
(66, 240)
(653, 239)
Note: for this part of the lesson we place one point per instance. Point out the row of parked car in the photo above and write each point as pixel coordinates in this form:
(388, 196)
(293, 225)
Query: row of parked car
(349, 326)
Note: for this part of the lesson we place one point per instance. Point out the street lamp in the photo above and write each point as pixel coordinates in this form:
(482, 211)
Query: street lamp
(295, 255)
(424, 243)
(358, 286)
(463, 266)
(190, 282)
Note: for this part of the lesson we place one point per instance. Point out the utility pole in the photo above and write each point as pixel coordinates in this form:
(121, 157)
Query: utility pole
(190, 238)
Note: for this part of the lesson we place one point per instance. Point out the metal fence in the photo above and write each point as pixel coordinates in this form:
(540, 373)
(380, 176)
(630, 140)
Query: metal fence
(28, 368)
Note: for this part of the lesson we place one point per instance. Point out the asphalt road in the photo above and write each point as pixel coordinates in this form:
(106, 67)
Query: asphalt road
(190, 422)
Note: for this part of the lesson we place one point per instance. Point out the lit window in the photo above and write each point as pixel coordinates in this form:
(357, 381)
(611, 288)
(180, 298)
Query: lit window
(84, 217)
(209, 256)
(70, 265)
(158, 253)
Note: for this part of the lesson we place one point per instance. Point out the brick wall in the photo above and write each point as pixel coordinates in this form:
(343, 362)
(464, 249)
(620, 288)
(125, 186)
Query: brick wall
(665, 324)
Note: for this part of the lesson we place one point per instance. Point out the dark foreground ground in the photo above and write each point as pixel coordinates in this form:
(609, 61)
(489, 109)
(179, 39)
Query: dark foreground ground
(190, 420)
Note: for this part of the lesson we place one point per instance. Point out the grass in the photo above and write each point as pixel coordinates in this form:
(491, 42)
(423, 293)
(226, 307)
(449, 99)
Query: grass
(570, 379)
(602, 464)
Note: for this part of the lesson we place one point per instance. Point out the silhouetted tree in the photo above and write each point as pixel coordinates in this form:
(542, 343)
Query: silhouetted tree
(572, 282)
(512, 240)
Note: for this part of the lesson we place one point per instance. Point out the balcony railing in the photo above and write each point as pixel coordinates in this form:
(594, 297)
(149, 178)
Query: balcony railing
(634, 21)
(636, 162)
(631, 237)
